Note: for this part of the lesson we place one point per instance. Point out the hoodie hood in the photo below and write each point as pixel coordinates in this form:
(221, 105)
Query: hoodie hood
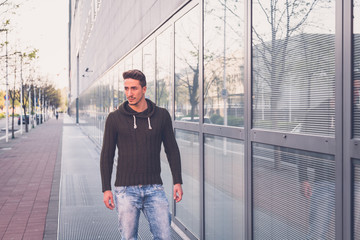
(127, 110)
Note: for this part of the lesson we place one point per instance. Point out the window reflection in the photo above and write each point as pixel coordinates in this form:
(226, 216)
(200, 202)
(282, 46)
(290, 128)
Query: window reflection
(224, 188)
(163, 66)
(356, 68)
(187, 67)
(149, 69)
(137, 60)
(294, 193)
(188, 210)
(224, 62)
(356, 200)
(294, 66)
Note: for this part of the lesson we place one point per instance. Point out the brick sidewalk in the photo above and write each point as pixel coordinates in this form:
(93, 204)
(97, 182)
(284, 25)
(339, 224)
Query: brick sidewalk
(27, 165)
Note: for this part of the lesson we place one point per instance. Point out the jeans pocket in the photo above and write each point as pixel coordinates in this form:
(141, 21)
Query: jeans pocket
(120, 190)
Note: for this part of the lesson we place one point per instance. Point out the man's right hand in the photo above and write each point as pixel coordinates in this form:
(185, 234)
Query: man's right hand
(306, 189)
(109, 200)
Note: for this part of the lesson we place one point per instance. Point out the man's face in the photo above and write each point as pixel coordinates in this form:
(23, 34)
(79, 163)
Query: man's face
(133, 91)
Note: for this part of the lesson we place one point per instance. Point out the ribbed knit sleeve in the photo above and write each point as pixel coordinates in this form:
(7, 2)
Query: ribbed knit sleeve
(108, 152)
(171, 149)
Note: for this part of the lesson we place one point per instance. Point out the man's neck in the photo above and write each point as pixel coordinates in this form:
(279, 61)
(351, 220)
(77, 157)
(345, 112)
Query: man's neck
(140, 107)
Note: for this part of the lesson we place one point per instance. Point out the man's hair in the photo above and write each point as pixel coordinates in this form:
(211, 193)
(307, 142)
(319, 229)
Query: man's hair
(135, 74)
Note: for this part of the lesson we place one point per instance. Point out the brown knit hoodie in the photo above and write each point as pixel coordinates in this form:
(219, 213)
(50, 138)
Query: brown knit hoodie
(138, 137)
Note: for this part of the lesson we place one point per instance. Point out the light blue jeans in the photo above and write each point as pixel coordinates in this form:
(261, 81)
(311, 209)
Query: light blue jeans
(151, 200)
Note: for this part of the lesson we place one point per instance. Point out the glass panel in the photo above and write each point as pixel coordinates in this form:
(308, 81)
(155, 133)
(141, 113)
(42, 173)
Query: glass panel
(294, 66)
(116, 87)
(128, 63)
(122, 96)
(356, 200)
(224, 188)
(187, 67)
(163, 65)
(293, 193)
(149, 69)
(356, 67)
(137, 60)
(188, 210)
(224, 62)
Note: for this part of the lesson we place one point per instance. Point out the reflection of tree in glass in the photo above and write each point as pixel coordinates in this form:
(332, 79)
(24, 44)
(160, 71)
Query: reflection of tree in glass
(187, 63)
(282, 19)
(223, 60)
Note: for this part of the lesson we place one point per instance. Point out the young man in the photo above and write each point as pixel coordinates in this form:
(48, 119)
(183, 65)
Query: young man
(137, 129)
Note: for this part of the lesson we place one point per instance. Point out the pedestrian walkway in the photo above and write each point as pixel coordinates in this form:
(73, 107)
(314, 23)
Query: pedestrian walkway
(27, 167)
(51, 189)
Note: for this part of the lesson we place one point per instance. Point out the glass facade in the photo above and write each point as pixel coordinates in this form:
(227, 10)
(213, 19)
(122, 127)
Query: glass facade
(188, 210)
(356, 67)
(224, 188)
(356, 200)
(187, 67)
(293, 193)
(224, 53)
(264, 100)
(294, 67)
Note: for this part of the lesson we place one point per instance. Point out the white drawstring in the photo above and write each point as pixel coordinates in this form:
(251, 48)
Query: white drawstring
(149, 123)
(135, 126)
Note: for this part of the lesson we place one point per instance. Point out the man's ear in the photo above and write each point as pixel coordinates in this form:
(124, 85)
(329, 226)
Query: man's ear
(144, 89)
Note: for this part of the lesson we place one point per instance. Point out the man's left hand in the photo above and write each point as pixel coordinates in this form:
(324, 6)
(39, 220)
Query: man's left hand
(178, 192)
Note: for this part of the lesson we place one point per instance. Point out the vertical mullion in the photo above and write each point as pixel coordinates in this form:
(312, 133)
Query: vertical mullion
(201, 122)
(338, 118)
(347, 119)
(247, 121)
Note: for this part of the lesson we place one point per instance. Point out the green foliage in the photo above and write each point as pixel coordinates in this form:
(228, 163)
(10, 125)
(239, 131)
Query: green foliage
(235, 121)
(217, 119)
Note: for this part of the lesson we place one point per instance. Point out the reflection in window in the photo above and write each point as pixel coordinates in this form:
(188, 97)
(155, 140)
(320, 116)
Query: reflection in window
(356, 200)
(128, 63)
(356, 68)
(293, 193)
(137, 60)
(187, 67)
(224, 62)
(188, 210)
(163, 65)
(122, 96)
(224, 188)
(294, 66)
(149, 69)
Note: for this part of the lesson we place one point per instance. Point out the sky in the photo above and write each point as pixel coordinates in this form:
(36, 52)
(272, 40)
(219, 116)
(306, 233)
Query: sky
(43, 24)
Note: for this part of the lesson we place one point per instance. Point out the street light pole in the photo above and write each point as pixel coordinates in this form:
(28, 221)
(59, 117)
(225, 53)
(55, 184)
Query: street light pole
(7, 87)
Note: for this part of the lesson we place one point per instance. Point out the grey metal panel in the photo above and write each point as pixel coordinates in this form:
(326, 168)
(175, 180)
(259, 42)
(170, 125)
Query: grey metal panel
(354, 149)
(187, 126)
(305, 142)
(224, 131)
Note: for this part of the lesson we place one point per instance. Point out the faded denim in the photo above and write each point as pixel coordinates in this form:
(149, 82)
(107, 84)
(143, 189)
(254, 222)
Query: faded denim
(151, 200)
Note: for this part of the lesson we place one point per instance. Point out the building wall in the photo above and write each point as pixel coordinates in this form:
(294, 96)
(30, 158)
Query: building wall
(262, 107)
(104, 31)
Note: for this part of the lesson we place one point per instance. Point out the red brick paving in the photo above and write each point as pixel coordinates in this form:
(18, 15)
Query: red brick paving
(26, 175)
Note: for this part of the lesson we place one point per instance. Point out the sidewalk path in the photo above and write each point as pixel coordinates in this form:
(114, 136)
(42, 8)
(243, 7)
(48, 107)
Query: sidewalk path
(27, 167)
